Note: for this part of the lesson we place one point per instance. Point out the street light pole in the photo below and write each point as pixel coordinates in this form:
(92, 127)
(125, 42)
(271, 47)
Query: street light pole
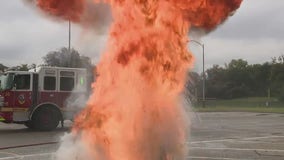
(203, 86)
(69, 38)
(203, 71)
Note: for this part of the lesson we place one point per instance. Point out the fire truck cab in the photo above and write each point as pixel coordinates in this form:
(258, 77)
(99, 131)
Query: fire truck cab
(38, 98)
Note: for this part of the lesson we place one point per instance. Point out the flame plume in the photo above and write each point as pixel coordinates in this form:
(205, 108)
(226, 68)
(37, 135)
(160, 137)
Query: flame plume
(65, 9)
(135, 111)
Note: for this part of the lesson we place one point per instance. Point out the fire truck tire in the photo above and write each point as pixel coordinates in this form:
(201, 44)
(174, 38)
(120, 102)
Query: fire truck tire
(29, 124)
(46, 118)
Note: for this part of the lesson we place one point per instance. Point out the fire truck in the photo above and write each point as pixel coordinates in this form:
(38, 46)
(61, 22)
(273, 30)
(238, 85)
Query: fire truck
(37, 98)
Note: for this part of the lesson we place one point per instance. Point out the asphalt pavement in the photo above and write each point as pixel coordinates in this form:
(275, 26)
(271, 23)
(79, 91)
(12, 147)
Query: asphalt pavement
(214, 136)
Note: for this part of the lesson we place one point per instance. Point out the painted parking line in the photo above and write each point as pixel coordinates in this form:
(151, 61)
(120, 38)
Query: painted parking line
(265, 137)
(235, 139)
(209, 141)
(239, 149)
(214, 158)
(26, 156)
(9, 153)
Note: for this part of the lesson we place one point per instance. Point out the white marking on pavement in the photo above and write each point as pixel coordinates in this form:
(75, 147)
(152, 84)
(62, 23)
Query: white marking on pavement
(9, 153)
(214, 158)
(209, 141)
(239, 149)
(26, 155)
(265, 137)
(235, 139)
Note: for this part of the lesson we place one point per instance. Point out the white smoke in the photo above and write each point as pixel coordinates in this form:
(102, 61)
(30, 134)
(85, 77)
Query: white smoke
(80, 94)
(72, 148)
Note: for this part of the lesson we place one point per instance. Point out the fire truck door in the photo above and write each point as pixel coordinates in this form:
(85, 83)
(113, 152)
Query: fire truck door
(22, 97)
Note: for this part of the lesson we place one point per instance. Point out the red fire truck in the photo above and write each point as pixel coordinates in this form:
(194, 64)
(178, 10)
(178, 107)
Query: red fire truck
(38, 98)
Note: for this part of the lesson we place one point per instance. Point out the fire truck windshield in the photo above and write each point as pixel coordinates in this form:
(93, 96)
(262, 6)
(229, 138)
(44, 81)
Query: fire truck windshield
(6, 81)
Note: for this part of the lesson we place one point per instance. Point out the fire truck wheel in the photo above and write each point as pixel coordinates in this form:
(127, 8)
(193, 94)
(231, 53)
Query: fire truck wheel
(29, 124)
(46, 118)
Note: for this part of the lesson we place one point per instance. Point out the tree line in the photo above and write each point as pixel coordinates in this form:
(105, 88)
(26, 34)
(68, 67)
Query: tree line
(59, 58)
(238, 79)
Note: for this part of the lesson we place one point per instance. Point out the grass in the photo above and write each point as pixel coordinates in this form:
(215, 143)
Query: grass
(252, 104)
(240, 109)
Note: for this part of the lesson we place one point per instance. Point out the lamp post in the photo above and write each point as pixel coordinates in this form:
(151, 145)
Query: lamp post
(69, 38)
(203, 72)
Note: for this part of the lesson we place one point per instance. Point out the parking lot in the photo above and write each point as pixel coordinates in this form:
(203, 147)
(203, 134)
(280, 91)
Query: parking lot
(214, 136)
(239, 136)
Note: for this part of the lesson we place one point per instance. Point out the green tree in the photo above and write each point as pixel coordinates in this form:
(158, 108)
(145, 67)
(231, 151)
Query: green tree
(64, 58)
(23, 67)
(216, 82)
(2, 67)
(238, 79)
(260, 79)
(277, 80)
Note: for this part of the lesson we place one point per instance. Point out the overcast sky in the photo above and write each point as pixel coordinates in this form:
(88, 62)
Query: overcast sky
(254, 33)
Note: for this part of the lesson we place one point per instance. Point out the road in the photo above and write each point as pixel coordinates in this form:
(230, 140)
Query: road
(214, 136)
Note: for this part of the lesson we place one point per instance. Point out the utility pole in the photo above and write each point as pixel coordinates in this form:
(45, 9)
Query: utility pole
(203, 71)
(69, 39)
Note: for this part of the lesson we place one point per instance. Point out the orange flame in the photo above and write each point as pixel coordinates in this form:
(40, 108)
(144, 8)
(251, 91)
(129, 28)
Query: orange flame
(135, 112)
(66, 9)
